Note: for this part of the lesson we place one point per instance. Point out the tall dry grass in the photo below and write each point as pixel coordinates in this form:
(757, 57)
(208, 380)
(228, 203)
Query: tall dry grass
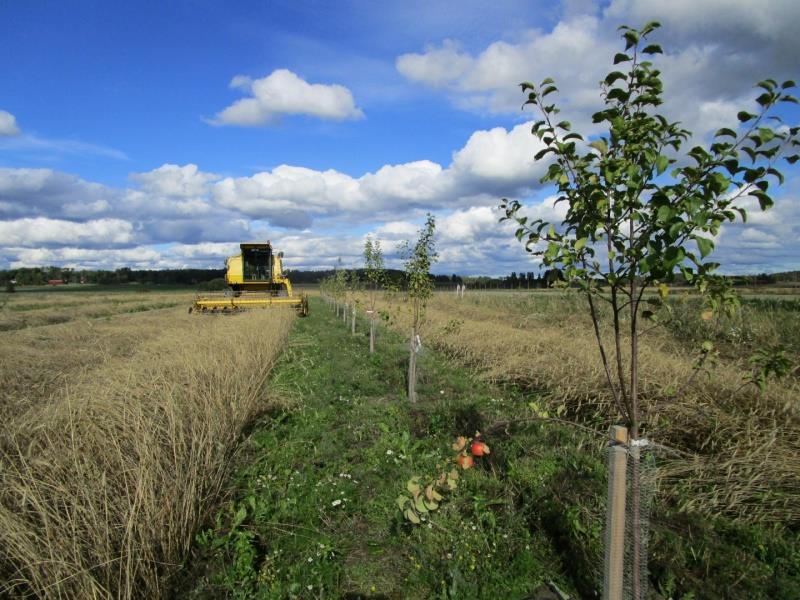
(739, 450)
(103, 485)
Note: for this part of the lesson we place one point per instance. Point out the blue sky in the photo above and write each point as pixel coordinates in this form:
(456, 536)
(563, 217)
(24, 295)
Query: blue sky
(158, 135)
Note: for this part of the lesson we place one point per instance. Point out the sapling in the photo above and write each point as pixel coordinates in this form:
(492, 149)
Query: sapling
(376, 279)
(419, 258)
(640, 213)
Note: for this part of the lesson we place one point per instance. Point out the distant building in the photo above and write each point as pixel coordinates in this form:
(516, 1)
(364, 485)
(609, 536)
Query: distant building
(56, 282)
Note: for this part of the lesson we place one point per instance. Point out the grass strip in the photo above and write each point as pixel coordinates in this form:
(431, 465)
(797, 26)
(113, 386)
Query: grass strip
(312, 508)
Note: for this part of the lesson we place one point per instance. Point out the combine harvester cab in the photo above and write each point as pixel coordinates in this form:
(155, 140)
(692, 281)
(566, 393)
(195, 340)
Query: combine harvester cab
(256, 280)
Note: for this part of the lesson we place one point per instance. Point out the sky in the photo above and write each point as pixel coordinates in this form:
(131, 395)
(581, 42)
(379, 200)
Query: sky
(162, 134)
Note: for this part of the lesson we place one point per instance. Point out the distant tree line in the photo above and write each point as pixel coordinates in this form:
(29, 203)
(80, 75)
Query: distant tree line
(121, 276)
(214, 278)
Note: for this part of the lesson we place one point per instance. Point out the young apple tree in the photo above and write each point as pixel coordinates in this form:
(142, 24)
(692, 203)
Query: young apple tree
(640, 211)
(418, 261)
(376, 279)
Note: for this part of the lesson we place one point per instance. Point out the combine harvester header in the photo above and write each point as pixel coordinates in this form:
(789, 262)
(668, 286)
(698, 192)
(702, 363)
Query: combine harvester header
(256, 280)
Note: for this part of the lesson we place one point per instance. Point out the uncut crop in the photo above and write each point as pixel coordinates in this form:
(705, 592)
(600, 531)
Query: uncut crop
(732, 450)
(118, 439)
(23, 310)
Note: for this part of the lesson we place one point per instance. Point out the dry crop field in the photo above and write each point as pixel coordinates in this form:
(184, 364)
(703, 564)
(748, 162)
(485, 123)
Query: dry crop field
(734, 450)
(48, 306)
(120, 416)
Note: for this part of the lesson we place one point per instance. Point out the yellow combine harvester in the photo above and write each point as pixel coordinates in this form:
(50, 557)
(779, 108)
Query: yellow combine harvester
(256, 280)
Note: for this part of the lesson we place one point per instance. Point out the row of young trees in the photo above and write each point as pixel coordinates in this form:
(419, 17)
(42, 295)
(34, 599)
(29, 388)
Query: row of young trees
(641, 215)
(345, 289)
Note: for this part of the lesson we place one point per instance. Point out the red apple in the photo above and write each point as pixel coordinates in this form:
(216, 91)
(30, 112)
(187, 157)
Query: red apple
(465, 461)
(478, 448)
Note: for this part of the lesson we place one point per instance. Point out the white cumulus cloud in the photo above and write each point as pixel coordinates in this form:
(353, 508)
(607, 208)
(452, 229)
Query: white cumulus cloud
(491, 164)
(714, 52)
(285, 93)
(176, 181)
(42, 231)
(437, 66)
(8, 124)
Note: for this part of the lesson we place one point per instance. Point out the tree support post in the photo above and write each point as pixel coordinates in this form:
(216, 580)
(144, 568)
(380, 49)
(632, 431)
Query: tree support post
(412, 368)
(615, 514)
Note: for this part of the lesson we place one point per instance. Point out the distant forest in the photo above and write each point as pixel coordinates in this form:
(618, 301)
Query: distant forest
(214, 278)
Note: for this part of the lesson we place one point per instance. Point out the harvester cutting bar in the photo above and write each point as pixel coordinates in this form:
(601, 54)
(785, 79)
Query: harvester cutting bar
(245, 301)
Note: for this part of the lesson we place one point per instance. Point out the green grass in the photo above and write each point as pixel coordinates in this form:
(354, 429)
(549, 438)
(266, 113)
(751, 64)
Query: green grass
(312, 507)
(315, 500)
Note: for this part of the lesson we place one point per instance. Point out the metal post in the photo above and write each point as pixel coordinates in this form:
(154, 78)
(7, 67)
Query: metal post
(615, 514)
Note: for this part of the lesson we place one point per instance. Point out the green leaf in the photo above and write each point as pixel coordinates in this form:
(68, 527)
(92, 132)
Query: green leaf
(765, 99)
(732, 165)
(705, 245)
(650, 26)
(419, 505)
(599, 145)
(777, 174)
(621, 57)
(536, 126)
(618, 94)
(614, 76)
(431, 505)
(401, 501)
(239, 517)
(653, 49)
(662, 162)
(412, 516)
(766, 134)
(664, 213)
(725, 131)
(631, 39)
(744, 116)
(581, 243)
(764, 200)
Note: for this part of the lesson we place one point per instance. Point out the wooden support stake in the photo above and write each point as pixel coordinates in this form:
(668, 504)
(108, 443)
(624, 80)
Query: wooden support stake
(615, 514)
(412, 369)
(353, 321)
